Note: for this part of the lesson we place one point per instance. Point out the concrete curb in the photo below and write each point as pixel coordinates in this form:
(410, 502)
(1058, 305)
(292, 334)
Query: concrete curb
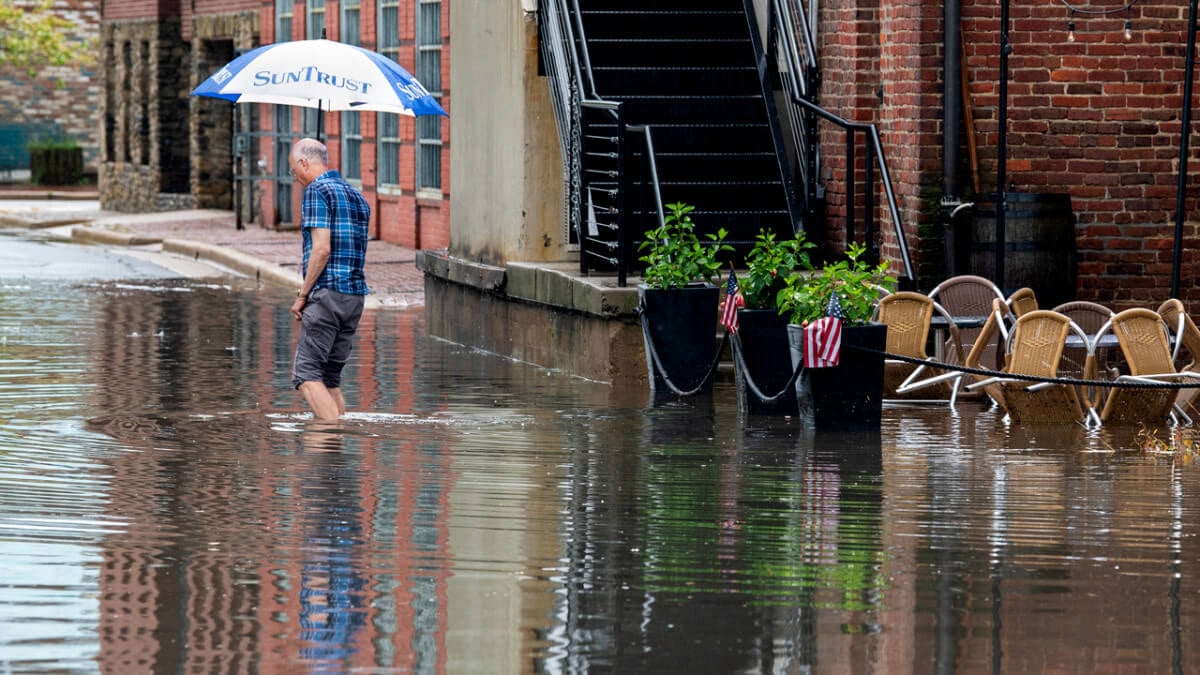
(262, 271)
(98, 235)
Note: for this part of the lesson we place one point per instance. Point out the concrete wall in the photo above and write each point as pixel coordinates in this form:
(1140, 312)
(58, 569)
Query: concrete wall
(505, 158)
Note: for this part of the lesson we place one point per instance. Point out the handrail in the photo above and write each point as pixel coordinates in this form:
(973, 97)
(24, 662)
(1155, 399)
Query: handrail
(780, 17)
(572, 133)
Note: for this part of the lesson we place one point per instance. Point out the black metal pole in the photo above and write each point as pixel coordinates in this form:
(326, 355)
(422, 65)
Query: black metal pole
(1185, 133)
(1002, 148)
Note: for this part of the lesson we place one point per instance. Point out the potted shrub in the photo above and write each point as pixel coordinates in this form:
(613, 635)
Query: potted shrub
(55, 161)
(762, 331)
(678, 301)
(849, 395)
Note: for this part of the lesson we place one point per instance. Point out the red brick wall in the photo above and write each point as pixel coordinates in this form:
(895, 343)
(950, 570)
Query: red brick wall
(140, 9)
(1098, 119)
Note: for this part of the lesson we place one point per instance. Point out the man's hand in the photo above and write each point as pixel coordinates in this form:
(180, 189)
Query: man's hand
(298, 306)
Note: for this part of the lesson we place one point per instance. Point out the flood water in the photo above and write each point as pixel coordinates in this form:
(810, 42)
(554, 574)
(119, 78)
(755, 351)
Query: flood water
(167, 505)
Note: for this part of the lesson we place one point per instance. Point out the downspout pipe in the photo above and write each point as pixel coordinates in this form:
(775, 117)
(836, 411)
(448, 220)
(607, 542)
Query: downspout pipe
(952, 115)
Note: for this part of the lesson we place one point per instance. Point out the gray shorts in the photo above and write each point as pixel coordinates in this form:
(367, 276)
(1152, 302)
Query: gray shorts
(327, 324)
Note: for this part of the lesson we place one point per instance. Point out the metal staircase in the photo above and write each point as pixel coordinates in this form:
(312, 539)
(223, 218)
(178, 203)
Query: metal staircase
(661, 101)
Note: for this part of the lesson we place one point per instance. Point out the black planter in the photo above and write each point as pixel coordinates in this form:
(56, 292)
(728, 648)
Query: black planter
(849, 396)
(55, 166)
(680, 325)
(765, 358)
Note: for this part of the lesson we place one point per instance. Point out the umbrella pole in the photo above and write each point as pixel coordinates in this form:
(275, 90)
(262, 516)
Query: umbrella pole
(320, 122)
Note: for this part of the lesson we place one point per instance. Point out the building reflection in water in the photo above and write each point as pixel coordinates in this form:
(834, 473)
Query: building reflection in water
(485, 515)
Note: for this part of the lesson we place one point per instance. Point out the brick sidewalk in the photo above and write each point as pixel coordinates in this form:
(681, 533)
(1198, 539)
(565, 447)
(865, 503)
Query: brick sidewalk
(391, 270)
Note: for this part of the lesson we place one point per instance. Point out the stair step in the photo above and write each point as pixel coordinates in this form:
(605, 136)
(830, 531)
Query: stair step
(669, 52)
(693, 109)
(664, 5)
(716, 164)
(710, 80)
(668, 138)
(652, 23)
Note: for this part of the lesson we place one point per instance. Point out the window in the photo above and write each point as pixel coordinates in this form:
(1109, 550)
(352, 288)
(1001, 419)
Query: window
(388, 141)
(314, 28)
(315, 25)
(429, 73)
(283, 20)
(389, 149)
(351, 32)
(351, 146)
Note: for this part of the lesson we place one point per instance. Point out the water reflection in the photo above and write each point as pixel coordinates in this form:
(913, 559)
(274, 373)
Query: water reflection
(166, 503)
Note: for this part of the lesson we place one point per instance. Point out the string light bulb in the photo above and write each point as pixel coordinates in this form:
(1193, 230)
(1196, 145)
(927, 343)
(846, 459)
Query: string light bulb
(1128, 29)
(1071, 31)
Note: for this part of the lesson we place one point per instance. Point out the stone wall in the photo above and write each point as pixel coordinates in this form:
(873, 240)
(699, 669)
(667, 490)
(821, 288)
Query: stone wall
(162, 149)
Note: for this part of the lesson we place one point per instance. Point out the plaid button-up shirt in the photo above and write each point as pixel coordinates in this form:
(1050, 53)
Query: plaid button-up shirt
(331, 202)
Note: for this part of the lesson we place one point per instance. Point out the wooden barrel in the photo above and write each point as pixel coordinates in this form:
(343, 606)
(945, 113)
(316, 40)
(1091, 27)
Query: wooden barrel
(1039, 245)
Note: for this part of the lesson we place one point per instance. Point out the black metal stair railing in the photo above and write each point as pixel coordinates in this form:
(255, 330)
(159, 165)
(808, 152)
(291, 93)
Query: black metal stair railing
(612, 193)
(789, 57)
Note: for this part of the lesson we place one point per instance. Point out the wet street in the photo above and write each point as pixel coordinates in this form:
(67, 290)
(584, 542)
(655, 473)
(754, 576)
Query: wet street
(168, 505)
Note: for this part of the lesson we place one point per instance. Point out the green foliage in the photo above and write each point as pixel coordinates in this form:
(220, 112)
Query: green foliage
(676, 256)
(32, 37)
(806, 295)
(768, 265)
(56, 142)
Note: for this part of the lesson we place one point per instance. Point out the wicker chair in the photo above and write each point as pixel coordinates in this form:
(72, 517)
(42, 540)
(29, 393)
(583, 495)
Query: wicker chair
(1037, 344)
(907, 316)
(1146, 349)
(1022, 301)
(1091, 317)
(1187, 339)
(967, 295)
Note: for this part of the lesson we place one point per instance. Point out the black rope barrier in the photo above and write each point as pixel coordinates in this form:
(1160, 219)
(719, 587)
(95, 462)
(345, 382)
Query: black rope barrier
(740, 363)
(1027, 378)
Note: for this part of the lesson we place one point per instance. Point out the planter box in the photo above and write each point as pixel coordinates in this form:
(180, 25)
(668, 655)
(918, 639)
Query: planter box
(680, 326)
(55, 166)
(849, 396)
(765, 351)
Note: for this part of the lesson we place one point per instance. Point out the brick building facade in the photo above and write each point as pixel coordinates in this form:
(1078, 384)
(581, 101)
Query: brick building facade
(1098, 118)
(162, 149)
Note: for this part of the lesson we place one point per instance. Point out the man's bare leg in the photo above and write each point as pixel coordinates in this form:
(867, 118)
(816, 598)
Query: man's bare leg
(322, 400)
(336, 393)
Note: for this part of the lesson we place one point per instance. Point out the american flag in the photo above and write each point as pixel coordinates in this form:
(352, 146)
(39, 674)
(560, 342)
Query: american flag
(823, 337)
(733, 300)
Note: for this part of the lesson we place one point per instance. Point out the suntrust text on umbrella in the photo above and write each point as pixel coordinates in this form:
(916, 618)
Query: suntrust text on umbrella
(309, 74)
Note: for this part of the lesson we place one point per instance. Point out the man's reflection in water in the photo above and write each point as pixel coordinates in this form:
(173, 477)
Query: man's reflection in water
(332, 587)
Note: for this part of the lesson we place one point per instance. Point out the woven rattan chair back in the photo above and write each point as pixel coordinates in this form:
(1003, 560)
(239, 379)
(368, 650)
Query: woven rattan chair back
(1022, 301)
(1146, 350)
(1037, 342)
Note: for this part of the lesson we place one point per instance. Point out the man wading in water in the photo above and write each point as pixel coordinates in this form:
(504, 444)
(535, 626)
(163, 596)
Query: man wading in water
(334, 221)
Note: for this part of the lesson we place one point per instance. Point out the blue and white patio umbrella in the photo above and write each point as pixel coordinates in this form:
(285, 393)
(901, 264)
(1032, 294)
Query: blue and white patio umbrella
(321, 74)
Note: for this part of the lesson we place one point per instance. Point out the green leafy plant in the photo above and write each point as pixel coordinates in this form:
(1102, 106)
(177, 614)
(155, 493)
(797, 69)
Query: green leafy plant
(676, 256)
(858, 285)
(768, 266)
(55, 142)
